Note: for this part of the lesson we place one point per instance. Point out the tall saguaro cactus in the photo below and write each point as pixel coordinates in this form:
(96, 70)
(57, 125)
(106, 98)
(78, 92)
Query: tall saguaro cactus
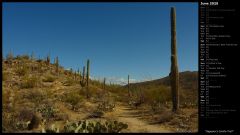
(104, 83)
(57, 64)
(174, 75)
(88, 71)
(128, 87)
(83, 73)
(48, 59)
(88, 74)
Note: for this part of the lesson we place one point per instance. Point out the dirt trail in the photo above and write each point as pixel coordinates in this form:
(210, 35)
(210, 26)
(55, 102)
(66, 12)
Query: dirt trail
(128, 115)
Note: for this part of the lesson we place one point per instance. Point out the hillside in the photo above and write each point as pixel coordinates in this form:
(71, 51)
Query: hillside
(41, 96)
(188, 86)
(188, 81)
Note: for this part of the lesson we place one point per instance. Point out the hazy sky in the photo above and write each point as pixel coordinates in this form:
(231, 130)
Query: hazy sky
(118, 38)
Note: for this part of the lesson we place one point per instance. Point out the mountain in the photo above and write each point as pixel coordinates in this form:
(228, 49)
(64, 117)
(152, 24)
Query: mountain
(188, 87)
(188, 81)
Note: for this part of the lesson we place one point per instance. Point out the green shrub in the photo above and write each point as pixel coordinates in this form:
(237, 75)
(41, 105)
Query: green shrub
(157, 97)
(47, 111)
(160, 94)
(73, 98)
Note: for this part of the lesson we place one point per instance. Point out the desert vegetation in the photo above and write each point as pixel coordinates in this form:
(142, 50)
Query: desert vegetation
(40, 96)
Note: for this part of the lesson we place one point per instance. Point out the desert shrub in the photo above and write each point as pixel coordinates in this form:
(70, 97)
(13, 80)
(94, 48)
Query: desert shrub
(73, 99)
(26, 119)
(61, 116)
(5, 76)
(94, 127)
(22, 125)
(22, 57)
(106, 106)
(23, 119)
(9, 121)
(69, 82)
(36, 96)
(96, 114)
(97, 83)
(165, 116)
(49, 129)
(49, 78)
(5, 97)
(160, 94)
(29, 82)
(21, 71)
(9, 56)
(47, 111)
(39, 60)
(156, 97)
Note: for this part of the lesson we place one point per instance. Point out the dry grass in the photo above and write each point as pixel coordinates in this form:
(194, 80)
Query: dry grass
(22, 71)
(29, 82)
(49, 78)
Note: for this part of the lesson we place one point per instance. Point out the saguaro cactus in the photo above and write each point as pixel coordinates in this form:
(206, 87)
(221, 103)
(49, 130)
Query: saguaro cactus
(88, 71)
(80, 75)
(83, 73)
(48, 59)
(128, 87)
(57, 64)
(88, 74)
(174, 75)
(104, 82)
(75, 75)
(32, 56)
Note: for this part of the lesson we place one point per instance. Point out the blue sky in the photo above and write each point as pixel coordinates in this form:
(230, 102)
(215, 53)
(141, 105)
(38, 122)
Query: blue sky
(118, 38)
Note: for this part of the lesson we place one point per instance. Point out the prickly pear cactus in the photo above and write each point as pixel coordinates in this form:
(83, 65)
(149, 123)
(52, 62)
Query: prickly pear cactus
(85, 126)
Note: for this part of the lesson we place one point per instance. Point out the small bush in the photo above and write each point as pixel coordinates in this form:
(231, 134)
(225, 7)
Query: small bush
(69, 82)
(5, 76)
(35, 96)
(22, 57)
(9, 56)
(160, 94)
(29, 82)
(73, 99)
(26, 119)
(96, 114)
(106, 106)
(47, 111)
(21, 71)
(49, 78)
(9, 121)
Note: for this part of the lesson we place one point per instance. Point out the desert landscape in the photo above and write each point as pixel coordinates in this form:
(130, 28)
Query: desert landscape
(39, 95)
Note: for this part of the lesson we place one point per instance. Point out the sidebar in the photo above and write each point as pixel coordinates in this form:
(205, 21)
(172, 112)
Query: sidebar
(219, 80)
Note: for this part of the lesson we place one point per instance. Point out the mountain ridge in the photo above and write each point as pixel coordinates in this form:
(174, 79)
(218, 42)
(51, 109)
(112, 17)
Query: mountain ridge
(186, 78)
